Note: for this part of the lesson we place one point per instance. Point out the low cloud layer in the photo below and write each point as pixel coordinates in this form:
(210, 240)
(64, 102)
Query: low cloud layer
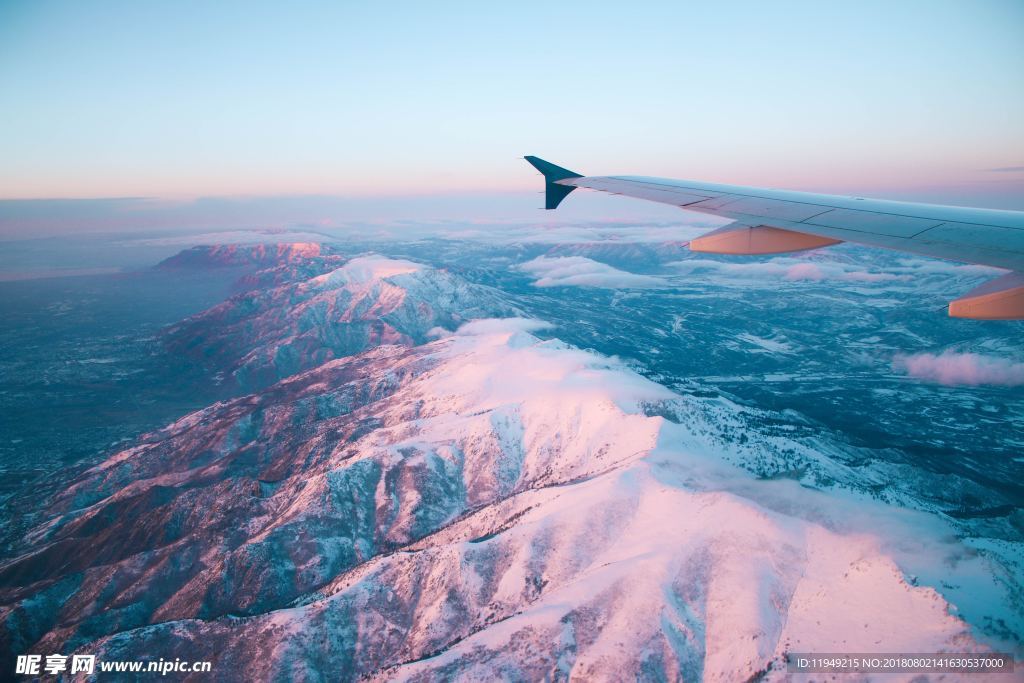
(919, 267)
(501, 325)
(579, 271)
(786, 269)
(228, 237)
(955, 369)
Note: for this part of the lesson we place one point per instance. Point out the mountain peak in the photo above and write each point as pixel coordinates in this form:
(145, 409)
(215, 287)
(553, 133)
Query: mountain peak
(365, 269)
(267, 333)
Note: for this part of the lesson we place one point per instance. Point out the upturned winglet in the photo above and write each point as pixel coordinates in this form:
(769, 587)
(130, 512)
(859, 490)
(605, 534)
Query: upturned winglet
(554, 193)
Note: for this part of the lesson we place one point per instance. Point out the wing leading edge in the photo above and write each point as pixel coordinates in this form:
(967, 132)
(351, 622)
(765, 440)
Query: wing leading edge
(777, 221)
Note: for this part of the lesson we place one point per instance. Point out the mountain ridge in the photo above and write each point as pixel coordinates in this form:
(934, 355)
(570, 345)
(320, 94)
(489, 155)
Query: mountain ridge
(438, 492)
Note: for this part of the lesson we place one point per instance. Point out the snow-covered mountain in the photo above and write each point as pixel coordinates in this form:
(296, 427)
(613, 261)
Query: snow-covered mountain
(420, 484)
(485, 505)
(289, 319)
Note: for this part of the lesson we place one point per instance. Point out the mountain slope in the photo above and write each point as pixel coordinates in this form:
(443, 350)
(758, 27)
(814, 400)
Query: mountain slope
(267, 333)
(484, 505)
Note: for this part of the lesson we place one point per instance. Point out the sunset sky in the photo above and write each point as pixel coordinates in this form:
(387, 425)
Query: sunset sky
(191, 99)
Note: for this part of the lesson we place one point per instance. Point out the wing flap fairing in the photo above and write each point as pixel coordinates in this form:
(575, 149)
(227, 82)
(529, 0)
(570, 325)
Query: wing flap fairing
(999, 299)
(757, 239)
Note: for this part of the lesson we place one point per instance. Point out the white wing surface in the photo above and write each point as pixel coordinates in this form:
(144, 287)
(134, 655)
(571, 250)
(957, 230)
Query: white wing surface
(777, 221)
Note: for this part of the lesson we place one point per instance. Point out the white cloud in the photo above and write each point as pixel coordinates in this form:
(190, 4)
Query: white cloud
(804, 271)
(951, 368)
(787, 269)
(500, 325)
(622, 232)
(579, 271)
(935, 266)
(438, 333)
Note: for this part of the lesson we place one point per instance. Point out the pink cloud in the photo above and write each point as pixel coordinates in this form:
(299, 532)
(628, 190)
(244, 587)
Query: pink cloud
(864, 276)
(804, 271)
(953, 369)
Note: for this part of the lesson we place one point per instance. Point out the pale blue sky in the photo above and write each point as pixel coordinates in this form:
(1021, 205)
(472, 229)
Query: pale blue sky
(179, 99)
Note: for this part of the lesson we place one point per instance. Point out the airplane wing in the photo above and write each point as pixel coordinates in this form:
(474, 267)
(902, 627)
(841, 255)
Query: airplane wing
(777, 221)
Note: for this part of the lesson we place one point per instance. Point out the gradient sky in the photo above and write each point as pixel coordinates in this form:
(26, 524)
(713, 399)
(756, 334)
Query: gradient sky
(186, 99)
